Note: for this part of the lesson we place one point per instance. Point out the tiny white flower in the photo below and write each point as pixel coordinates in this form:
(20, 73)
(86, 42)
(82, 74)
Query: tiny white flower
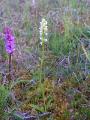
(40, 43)
(45, 40)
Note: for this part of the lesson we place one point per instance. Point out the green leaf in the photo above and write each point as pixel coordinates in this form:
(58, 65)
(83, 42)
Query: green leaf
(17, 116)
(38, 108)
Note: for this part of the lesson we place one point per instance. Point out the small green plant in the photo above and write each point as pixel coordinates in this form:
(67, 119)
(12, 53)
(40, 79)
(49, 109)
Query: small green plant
(4, 93)
(43, 39)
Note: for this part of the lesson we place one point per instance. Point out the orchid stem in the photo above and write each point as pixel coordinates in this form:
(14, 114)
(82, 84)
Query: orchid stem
(9, 63)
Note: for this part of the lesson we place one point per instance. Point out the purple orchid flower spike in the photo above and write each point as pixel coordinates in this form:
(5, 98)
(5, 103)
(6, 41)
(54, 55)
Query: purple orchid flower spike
(9, 40)
(9, 44)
